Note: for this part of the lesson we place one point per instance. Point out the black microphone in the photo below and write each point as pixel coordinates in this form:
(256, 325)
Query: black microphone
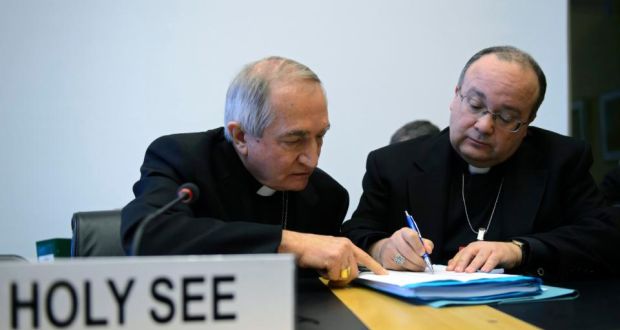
(186, 194)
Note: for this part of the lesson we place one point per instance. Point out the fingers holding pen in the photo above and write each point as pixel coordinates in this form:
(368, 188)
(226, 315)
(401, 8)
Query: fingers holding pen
(402, 251)
(412, 238)
(408, 245)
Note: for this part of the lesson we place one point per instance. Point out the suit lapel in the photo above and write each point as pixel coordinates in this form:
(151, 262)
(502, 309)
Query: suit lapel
(523, 190)
(428, 186)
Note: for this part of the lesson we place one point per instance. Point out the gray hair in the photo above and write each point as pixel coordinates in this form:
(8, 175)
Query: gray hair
(413, 130)
(513, 54)
(247, 99)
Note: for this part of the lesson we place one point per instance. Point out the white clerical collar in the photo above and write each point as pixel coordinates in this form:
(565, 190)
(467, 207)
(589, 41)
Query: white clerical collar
(478, 170)
(265, 191)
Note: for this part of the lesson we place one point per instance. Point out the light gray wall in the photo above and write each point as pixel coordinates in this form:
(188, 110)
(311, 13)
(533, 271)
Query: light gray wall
(86, 85)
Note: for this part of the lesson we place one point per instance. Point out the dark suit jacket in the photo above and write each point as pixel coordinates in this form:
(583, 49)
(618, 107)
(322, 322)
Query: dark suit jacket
(549, 200)
(610, 186)
(228, 217)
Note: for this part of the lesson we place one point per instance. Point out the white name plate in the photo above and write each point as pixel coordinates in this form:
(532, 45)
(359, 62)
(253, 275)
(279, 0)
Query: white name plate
(195, 292)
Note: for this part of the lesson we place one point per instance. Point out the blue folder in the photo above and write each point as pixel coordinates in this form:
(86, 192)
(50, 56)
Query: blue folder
(504, 289)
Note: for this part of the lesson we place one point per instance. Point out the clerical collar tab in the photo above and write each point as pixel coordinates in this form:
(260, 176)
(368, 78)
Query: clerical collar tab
(478, 170)
(265, 191)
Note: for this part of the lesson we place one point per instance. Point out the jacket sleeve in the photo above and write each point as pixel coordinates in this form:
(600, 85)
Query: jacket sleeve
(580, 241)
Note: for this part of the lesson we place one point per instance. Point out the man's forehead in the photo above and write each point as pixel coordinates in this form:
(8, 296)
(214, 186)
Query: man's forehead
(288, 84)
(513, 77)
(514, 82)
(499, 68)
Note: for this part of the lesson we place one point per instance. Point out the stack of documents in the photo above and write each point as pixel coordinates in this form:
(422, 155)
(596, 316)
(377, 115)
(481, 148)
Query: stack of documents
(443, 288)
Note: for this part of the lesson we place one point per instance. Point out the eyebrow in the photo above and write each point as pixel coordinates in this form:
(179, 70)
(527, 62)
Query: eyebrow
(477, 92)
(297, 133)
(302, 133)
(484, 97)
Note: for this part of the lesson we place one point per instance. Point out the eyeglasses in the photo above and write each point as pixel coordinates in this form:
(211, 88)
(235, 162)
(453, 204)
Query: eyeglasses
(508, 121)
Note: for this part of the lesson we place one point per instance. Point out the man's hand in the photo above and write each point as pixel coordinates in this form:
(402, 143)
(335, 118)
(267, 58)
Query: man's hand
(484, 256)
(406, 243)
(336, 257)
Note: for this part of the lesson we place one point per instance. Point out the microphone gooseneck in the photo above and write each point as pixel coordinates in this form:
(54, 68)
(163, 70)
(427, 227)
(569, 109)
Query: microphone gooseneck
(186, 194)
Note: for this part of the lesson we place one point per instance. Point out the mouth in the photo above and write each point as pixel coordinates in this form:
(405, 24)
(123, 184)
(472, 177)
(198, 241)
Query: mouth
(478, 143)
(302, 174)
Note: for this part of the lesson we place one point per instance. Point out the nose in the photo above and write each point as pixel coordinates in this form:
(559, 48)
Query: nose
(485, 124)
(310, 156)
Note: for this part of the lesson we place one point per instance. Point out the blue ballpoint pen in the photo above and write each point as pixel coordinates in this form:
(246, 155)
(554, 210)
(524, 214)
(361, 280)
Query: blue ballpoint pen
(414, 226)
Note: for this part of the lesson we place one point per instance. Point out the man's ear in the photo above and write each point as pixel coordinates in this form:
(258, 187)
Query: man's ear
(527, 125)
(456, 99)
(531, 119)
(238, 137)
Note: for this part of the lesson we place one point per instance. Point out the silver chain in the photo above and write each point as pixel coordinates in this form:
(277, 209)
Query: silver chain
(284, 209)
(465, 205)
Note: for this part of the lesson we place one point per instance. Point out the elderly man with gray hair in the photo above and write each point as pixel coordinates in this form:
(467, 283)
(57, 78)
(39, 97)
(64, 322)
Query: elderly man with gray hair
(260, 188)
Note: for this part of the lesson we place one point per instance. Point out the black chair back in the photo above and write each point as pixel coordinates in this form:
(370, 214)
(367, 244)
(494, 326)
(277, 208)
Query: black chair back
(12, 257)
(96, 234)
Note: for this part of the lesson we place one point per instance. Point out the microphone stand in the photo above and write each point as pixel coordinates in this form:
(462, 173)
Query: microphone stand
(140, 231)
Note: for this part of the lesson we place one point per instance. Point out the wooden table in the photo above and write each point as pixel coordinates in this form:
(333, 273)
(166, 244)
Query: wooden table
(380, 311)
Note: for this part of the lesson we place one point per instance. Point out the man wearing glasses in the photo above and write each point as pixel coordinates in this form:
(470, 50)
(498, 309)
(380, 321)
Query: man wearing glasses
(489, 191)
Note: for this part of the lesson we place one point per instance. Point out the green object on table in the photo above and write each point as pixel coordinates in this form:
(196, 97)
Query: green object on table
(50, 249)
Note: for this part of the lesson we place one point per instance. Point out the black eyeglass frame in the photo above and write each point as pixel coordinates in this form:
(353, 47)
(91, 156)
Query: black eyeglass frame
(484, 110)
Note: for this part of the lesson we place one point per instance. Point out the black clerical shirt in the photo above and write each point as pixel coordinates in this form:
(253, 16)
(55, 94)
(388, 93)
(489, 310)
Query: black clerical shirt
(481, 191)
